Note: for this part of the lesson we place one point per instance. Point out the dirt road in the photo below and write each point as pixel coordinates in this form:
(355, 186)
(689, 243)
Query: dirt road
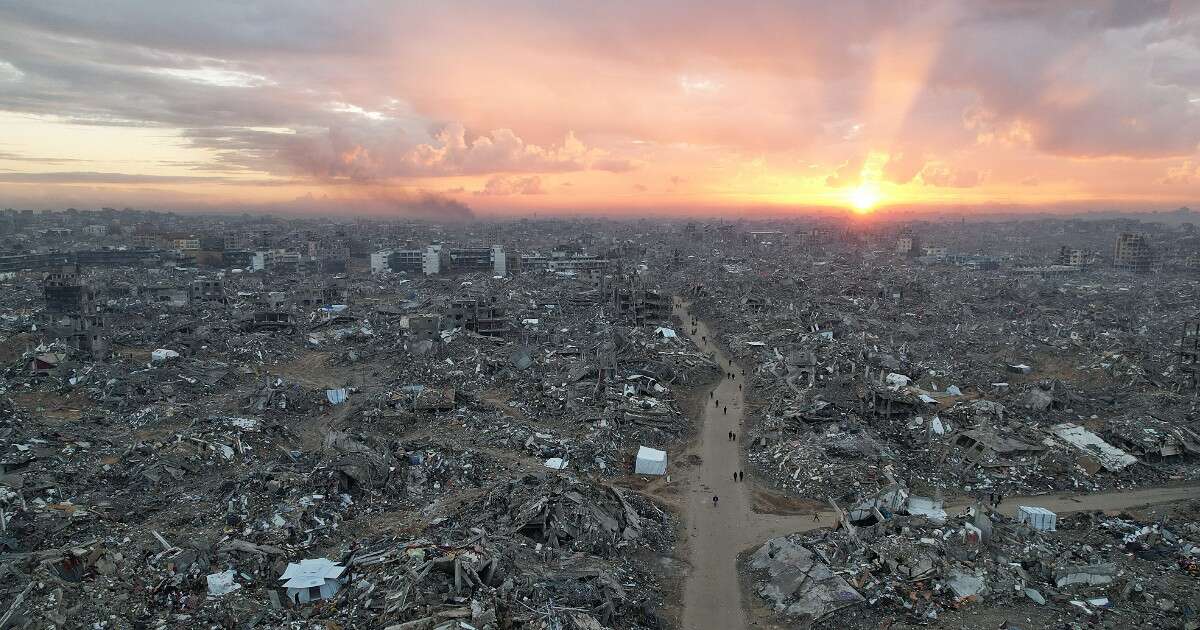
(762, 527)
(712, 595)
(717, 533)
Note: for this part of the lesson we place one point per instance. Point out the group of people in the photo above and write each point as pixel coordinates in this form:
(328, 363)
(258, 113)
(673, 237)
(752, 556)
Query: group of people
(740, 475)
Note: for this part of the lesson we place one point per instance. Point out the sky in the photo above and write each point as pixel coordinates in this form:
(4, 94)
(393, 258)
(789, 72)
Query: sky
(632, 108)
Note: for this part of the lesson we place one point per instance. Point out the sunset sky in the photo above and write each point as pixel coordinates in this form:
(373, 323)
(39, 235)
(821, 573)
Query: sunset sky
(625, 107)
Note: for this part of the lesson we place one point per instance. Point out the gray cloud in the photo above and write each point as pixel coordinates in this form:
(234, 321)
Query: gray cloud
(1078, 78)
(500, 185)
(381, 201)
(32, 159)
(91, 177)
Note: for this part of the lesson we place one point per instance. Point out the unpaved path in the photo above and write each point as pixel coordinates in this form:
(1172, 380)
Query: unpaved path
(716, 534)
(712, 596)
(762, 527)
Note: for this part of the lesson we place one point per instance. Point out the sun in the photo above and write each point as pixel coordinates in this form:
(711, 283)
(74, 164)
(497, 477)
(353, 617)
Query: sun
(864, 198)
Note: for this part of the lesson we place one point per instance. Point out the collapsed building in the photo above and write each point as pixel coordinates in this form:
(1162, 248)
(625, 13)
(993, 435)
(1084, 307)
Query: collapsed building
(315, 434)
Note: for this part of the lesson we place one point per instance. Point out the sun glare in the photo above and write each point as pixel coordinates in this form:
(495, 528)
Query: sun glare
(864, 198)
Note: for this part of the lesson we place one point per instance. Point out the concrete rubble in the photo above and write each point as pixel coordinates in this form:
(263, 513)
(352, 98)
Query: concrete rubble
(238, 421)
(915, 570)
(904, 385)
(321, 443)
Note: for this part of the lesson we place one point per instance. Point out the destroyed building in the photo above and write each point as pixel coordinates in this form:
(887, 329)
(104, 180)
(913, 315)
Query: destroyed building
(1133, 252)
(73, 312)
(291, 444)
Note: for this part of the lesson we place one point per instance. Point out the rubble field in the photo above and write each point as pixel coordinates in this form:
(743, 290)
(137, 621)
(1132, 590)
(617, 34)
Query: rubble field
(257, 422)
(346, 450)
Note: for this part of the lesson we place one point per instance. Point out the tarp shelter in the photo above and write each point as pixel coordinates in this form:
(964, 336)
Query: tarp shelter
(222, 583)
(1037, 517)
(337, 396)
(650, 461)
(311, 580)
(43, 363)
(163, 355)
(930, 508)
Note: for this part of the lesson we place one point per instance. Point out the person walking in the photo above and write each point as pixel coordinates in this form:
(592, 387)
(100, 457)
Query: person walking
(714, 500)
(734, 437)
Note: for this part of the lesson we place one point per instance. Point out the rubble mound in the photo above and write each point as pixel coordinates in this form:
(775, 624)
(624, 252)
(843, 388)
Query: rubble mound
(564, 512)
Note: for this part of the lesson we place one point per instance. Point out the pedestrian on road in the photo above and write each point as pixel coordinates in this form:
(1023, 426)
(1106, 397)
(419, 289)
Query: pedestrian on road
(725, 409)
(741, 475)
(735, 476)
(714, 500)
(710, 394)
(816, 517)
(734, 437)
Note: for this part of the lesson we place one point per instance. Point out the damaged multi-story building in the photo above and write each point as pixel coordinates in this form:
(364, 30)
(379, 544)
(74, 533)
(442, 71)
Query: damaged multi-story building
(1133, 252)
(639, 304)
(486, 316)
(73, 312)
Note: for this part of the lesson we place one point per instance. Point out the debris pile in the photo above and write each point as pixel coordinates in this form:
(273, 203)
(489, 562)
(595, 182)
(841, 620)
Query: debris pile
(1121, 569)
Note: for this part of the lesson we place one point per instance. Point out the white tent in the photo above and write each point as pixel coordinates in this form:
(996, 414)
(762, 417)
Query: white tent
(162, 355)
(312, 579)
(650, 461)
(1037, 517)
(337, 396)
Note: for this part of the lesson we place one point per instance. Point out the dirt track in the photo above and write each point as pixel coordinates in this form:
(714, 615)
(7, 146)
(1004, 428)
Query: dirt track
(712, 595)
(716, 534)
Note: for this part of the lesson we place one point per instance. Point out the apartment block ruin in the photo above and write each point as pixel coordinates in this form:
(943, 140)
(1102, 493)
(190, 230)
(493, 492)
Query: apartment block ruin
(1133, 252)
(438, 259)
(1189, 352)
(485, 316)
(908, 243)
(639, 305)
(72, 311)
